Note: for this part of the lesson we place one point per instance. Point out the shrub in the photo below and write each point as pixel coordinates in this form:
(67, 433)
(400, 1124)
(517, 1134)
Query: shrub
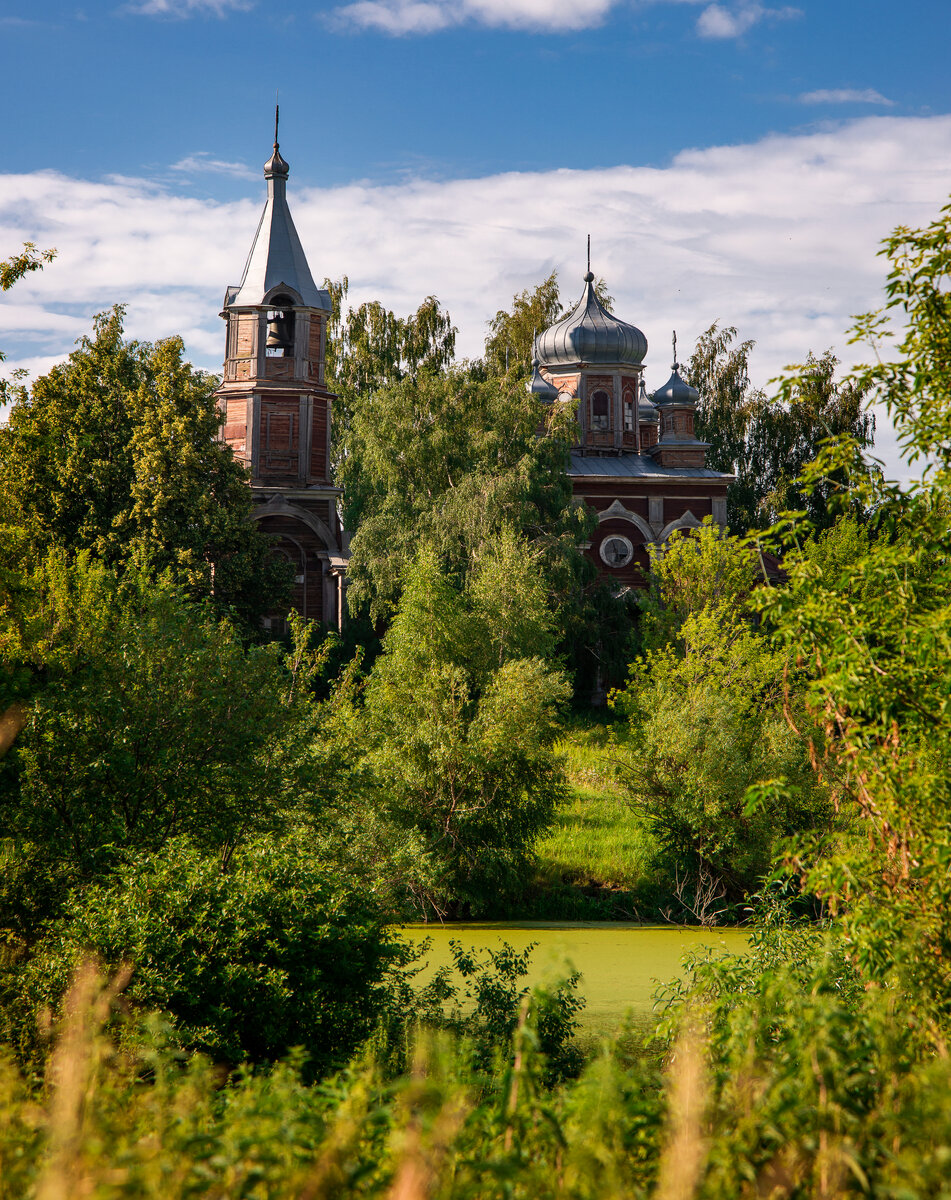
(271, 954)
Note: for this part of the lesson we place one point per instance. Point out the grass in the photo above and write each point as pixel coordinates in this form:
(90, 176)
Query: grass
(597, 842)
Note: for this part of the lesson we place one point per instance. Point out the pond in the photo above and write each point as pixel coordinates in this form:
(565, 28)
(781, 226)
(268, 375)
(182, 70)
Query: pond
(621, 964)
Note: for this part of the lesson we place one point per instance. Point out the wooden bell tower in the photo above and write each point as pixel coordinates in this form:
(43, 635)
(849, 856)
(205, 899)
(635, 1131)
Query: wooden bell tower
(277, 407)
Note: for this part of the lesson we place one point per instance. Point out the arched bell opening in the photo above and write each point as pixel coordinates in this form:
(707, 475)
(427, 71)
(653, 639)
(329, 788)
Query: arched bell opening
(280, 327)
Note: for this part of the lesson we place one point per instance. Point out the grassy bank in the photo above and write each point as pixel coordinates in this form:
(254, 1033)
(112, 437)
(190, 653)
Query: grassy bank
(596, 862)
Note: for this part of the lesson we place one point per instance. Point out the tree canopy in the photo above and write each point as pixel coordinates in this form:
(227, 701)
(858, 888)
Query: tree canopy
(116, 451)
(767, 443)
(448, 460)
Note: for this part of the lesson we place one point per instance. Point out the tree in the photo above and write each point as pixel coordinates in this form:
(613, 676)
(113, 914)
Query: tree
(707, 707)
(707, 724)
(874, 625)
(146, 719)
(14, 268)
(767, 444)
(457, 726)
(448, 461)
(116, 452)
(508, 348)
(719, 370)
(511, 334)
(370, 347)
(706, 570)
(788, 436)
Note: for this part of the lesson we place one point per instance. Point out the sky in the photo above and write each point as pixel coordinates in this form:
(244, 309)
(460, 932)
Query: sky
(733, 160)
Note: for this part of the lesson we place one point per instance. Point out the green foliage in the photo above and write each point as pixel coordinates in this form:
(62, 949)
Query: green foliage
(767, 444)
(450, 462)
(21, 264)
(459, 719)
(482, 1000)
(713, 710)
(369, 348)
(511, 334)
(146, 720)
(440, 763)
(708, 720)
(248, 962)
(703, 571)
(14, 268)
(874, 624)
(116, 452)
(508, 348)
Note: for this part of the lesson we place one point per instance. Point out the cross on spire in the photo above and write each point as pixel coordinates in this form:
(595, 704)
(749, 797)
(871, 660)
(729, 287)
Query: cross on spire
(676, 364)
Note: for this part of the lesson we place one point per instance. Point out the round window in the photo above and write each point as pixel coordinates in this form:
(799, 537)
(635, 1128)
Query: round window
(616, 551)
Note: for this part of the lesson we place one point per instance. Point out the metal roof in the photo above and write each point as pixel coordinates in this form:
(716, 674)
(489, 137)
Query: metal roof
(634, 466)
(590, 334)
(277, 259)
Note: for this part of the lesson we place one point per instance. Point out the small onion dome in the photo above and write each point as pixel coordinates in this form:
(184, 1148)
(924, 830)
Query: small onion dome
(590, 334)
(675, 391)
(646, 409)
(539, 387)
(276, 167)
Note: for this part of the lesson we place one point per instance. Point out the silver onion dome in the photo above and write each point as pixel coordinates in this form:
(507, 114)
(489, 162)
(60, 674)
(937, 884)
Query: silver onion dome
(675, 391)
(590, 334)
(539, 387)
(646, 409)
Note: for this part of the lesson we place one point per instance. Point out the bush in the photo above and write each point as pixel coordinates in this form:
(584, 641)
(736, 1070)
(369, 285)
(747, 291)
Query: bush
(249, 962)
(708, 723)
(148, 720)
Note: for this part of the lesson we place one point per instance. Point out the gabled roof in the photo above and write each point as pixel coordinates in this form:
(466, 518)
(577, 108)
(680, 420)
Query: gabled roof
(277, 261)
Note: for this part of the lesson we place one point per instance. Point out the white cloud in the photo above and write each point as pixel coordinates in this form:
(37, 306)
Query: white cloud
(397, 17)
(778, 237)
(202, 163)
(717, 21)
(845, 96)
(187, 8)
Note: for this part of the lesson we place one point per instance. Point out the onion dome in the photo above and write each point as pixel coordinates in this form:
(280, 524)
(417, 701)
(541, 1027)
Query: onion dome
(539, 387)
(675, 391)
(646, 409)
(590, 334)
(276, 167)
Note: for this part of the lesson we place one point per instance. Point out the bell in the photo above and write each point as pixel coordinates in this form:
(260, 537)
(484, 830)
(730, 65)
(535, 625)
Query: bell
(279, 331)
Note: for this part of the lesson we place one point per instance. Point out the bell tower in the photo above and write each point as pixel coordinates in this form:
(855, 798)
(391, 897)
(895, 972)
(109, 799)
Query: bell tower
(277, 407)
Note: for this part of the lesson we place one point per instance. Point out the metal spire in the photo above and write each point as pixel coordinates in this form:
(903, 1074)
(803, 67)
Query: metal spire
(277, 117)
(676, 364)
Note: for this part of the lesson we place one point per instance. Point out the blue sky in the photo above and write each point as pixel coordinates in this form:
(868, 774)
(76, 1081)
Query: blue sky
(734, 160)
(504, 85)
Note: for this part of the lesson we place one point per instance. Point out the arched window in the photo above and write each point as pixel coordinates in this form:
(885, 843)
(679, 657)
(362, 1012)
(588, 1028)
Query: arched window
(600, 404)
(629, 412)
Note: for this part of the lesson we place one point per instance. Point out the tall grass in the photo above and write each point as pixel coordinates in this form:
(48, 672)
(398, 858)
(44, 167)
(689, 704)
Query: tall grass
(596, 840)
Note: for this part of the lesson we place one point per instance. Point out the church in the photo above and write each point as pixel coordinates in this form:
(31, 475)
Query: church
(637, 462)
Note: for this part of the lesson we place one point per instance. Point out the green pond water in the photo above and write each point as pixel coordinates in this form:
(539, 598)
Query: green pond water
(621, 964)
